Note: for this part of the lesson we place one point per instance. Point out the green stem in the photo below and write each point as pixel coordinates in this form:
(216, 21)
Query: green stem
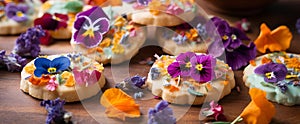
(236, 120)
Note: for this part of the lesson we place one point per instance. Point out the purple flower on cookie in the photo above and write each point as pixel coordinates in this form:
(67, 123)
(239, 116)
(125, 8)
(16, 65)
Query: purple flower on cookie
(182, 66)
(161, 114)
(90, 27)
(272, 72)
(52, 22)
(203, 68)
(16, 12)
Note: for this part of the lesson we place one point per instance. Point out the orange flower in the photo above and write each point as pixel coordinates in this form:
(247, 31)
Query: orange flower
(192, 34)
(44, 80)
(119, 105)
(265, 60)
(276, 40)
(69, 79)
(104, 3)
(259, 110)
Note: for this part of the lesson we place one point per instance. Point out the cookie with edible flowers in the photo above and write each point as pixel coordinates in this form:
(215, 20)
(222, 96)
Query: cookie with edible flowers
(190, 78)
(16, 16)
(71, 77)
(106, 38)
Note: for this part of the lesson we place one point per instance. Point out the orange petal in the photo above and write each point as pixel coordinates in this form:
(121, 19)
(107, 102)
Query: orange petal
(259, 110)
(283, 35)
(104, 3)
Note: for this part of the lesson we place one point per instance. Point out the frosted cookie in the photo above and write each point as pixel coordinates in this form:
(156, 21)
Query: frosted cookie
(107, 40)
(190, 78)
(17, 16)
(71, 77)
(163, 13)
(57, 17)
(278, 75)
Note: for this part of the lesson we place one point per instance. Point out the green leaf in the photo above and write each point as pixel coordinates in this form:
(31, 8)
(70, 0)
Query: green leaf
(74, 6)
(193, 92)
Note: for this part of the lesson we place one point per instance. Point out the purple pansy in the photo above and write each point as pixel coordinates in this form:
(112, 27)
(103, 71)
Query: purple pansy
(298, 25)
(52, 22)
(182, 66)
(203, 68)
(174, 69)
(16, 12)
(272, 72)
(28, 42)
(161, 114)
(55, 109)
(13, 62)
(215, 110)
(90, 27)
(240, 56)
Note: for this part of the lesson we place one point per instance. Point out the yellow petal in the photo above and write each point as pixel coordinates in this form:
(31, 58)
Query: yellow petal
(259, 110)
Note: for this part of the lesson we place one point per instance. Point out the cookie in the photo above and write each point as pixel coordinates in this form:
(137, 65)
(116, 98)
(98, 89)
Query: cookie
(16, 18)
(278, 75)
(190, 78)
(71, 77)
(116, 41)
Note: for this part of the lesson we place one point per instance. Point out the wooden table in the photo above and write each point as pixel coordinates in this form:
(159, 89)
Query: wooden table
(18, 107)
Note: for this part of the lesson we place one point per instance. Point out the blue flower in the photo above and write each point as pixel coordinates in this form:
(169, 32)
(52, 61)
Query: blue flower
(161, 114)
(46, 66)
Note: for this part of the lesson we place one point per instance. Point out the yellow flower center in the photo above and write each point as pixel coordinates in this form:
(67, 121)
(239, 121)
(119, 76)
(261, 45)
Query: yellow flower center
(188, 65)
(225, 37)
(89, 32)
(19, 14)
(270, 75)
(199, 67)
(51, 70)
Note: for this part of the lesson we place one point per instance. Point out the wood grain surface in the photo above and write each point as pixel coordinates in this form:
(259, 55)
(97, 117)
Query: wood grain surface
(17, 107)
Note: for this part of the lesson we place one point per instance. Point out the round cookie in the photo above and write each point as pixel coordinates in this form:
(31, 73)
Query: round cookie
(278, 75)
(60, 16)
(190, 78)
(16, 18)
(71, 77)
(163, 13)
(118, 40)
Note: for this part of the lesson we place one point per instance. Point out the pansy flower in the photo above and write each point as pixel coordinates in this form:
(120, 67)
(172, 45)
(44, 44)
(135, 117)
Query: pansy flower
(85, 77)
(182, 66)
(52, 22)
(16, 12)
(202, 68)
(90, 27)
(276, 40)
(272, 72)
(46, 66)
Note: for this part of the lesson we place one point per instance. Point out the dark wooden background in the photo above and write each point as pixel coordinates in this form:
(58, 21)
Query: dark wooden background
(18, 107)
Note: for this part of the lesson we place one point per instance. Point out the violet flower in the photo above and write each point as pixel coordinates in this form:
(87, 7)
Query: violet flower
(133, 83)
(298, 25)
(272, 72)
(215, 110)
(90, 27)
(55, 110)
(46, 66)
(161, 114)
(282, 86)
(13, 62)
(179, 39)
(85, 77)
(174, 69)
(16, 12)
(28, 42)
(143, 2)
(203, 68)
(240, 56)
(184, 60)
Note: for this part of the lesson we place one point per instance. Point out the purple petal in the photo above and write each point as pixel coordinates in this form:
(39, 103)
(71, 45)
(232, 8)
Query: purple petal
(87, 40)
(174, 69)
(161, 105)
(185, 57)
(103, 25)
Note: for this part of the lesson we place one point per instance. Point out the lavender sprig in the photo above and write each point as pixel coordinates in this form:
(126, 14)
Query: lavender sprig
(12, 62)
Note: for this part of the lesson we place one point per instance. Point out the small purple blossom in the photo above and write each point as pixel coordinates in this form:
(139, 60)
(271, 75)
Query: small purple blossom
(143, 2)
(155, 73)
(133, 83)
(28, 42)
(13, 62)
(282, 85)
(272, 72)
(179, 39)
(203, 68)
(161, 114)
(55, 109)
(16, 12)
(298, 25)
(90, 27)
(215, 110)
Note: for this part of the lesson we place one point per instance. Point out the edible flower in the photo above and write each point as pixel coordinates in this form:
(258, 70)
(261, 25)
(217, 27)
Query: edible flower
(203, 68)
(52, 22)
(39, 81)
(104, 3)
(90, 27)
(56, 111)
(143, 2)
(276, 40)
(182, 66)
(68, 78)
(13, 62)
(16, 12)
(272, 72)
(243, 25)
(298, 25)
(174, 9)
(259, 110)
(155, 7)
(46, 66)
(85, 77)
(192, 35)
(136, 81)
(28, 42)
(161, 114)
(52, 84)
(215, 111)
(119, 105)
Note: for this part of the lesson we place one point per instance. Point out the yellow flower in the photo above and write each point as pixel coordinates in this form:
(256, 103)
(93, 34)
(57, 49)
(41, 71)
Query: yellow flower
(155, 7)
(29, 69)
(69, 79)
(119, 105)
(99, 67)
(192, 35)
(105, 43)
(120, 22)
(259, 110)
(276, 40)
(118, 49)
(117, 37)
